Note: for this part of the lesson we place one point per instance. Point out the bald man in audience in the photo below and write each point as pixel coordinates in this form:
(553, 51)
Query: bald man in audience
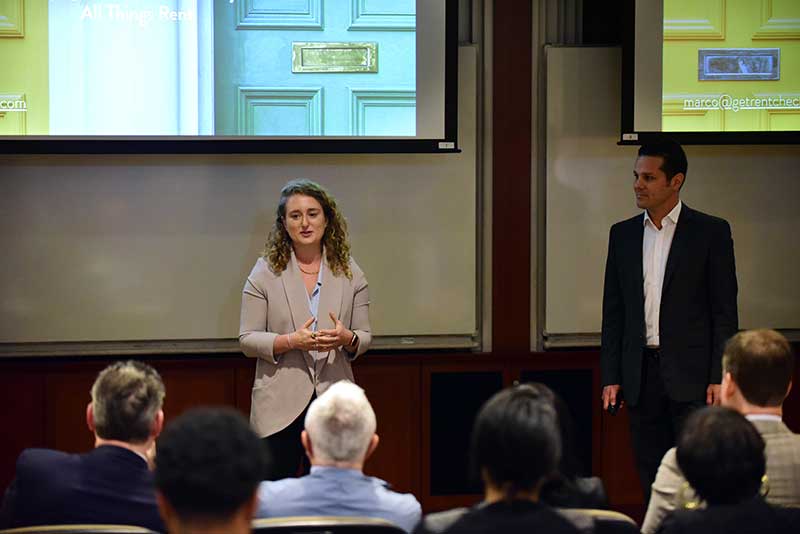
(339, 436)
(757, 368)
(113, 482)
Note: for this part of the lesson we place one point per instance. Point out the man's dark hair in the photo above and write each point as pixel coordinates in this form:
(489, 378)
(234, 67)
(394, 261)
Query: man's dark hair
(722, 455)
(126, 396)
(761, 363)
(209, 463)
(671, 152)
(516, 438)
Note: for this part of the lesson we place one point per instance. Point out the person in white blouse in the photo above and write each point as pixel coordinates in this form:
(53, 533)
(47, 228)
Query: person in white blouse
(305, 317)
(669, 306)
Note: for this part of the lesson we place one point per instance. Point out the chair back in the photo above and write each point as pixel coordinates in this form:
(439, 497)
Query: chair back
(325, 525)
(78, 529)
(607, 521)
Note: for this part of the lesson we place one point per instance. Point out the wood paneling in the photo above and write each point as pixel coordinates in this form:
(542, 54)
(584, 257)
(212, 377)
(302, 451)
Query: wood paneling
(66, 395)
(190, 384)
(394, 392)
(22, 398)
(511, 176)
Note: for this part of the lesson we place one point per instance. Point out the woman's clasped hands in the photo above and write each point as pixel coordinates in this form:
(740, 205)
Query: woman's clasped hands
(321, 340)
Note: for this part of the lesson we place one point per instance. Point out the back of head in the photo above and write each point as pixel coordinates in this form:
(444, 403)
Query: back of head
(126, 396)
(761, 363)
(722, 455)
(515, 439)
(209, 463)
(340, 424)
(672, 153)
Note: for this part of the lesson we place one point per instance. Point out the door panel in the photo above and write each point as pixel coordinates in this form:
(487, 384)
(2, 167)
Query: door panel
(315, 67)
(23, 67)
(738, 28)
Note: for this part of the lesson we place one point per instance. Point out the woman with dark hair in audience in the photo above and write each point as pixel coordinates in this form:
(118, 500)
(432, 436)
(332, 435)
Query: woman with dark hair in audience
(516, 446)
(722, 456)
(567, 488)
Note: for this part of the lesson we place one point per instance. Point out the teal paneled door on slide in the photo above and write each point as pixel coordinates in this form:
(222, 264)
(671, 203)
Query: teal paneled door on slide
(315, 67)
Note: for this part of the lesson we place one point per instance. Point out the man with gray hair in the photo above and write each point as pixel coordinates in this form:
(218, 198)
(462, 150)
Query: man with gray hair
(113, 482)
(339, 436)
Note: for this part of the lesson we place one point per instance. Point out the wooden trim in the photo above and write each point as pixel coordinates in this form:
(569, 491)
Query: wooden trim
(511, 175)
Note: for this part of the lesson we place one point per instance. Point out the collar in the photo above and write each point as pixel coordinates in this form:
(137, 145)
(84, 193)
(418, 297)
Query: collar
(763, 417)
(335, 471)
(111, 446)
(672, 215)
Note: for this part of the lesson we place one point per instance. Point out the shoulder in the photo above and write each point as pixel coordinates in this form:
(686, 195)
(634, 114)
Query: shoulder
(32, 459)
(355, 269)
(441, 521)
(670, 458)
(269, 491)
(262, 271)
(513, 517)
(400, 502)
(627, 225)
(774, 430)
(669, 474)
(359, 278)
(705, 219)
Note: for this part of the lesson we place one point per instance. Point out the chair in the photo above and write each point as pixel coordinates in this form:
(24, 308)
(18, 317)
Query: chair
(78, 529)
(607, 521)
(325, 525)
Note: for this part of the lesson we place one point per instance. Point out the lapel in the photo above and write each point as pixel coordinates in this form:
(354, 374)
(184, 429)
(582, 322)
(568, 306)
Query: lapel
(636, 254)
(678, 248)
(295, 293)
(330, 300)
(298, 301)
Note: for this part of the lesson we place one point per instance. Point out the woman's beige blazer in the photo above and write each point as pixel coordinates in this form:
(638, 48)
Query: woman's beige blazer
(274, 304)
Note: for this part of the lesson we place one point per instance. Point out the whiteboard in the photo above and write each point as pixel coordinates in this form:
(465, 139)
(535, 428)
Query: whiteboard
(589, 187)
(152, 247)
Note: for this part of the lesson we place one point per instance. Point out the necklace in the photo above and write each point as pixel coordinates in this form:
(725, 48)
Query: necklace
(307, 272)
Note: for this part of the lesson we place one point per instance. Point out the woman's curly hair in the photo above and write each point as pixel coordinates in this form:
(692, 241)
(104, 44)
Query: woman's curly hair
(278, 249)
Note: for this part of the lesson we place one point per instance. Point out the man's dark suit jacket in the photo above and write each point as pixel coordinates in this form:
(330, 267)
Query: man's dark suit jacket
(751, 517)
(107, 485)
(698, 306)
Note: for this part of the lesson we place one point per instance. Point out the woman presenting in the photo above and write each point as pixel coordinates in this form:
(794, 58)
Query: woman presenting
(305, 316)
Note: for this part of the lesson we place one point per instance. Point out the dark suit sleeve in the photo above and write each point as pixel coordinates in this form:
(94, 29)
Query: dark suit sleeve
(9, 505)
(723, 293)
(613, 318)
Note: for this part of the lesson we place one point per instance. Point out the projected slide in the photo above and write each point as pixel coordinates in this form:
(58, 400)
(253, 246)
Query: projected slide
(731, 65)
(236, 68)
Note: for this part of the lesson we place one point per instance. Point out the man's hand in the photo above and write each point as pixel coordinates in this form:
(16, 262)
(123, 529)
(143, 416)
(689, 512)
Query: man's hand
(713, 394)
(610, 393)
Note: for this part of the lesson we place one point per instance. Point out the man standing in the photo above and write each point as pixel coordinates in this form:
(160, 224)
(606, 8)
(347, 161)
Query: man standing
(110, 484)
(339, 436)
(669, 306)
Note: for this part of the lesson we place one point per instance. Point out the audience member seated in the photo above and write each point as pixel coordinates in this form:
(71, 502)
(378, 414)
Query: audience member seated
(722, 456)
(110, 484)
(515, 447)
(208, 467)
(567, 488)
(339, 436)
(757, 369)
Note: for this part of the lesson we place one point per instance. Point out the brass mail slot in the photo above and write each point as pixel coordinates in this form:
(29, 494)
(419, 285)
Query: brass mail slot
(334, 57)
